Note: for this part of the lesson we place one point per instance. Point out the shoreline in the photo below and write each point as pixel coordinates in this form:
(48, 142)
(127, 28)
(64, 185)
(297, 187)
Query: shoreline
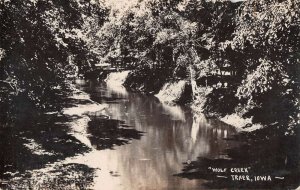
(172, 92)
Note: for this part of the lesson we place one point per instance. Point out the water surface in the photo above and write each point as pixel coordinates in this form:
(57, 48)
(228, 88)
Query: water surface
(173, 135)
(124, 140)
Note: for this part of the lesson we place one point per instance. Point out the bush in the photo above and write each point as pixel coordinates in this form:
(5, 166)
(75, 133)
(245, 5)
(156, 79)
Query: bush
(221, 101)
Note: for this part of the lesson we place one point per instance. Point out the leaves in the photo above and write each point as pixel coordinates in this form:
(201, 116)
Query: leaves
(38, 37)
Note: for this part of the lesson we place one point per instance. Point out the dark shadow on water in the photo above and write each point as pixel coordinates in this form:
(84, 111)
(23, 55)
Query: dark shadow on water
(51, 133)
(37, 138)
(107, 133)
(264, 154)
(106, 99)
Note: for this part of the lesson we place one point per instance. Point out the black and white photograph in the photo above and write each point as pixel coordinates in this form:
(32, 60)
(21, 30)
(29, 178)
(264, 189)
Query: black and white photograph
(149, 94)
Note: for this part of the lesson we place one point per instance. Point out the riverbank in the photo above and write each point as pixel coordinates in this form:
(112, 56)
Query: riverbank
(81, 112)
(173, 135)
(87, 148)
(60, 147)
(36, 146)
(171, 93)
(183, 92)
(250, 149)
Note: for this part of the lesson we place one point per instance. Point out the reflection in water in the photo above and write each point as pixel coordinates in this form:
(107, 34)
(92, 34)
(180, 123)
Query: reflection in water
(264, 153)
(195, 129)
(81, 147)
(173, 135)
(175, 112)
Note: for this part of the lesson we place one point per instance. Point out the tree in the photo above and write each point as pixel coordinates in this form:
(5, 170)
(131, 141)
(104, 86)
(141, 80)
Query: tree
(38, 38)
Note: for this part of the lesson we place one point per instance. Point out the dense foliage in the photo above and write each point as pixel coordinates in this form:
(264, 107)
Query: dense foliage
(42, 44)
(244, 55)
(246, 52)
